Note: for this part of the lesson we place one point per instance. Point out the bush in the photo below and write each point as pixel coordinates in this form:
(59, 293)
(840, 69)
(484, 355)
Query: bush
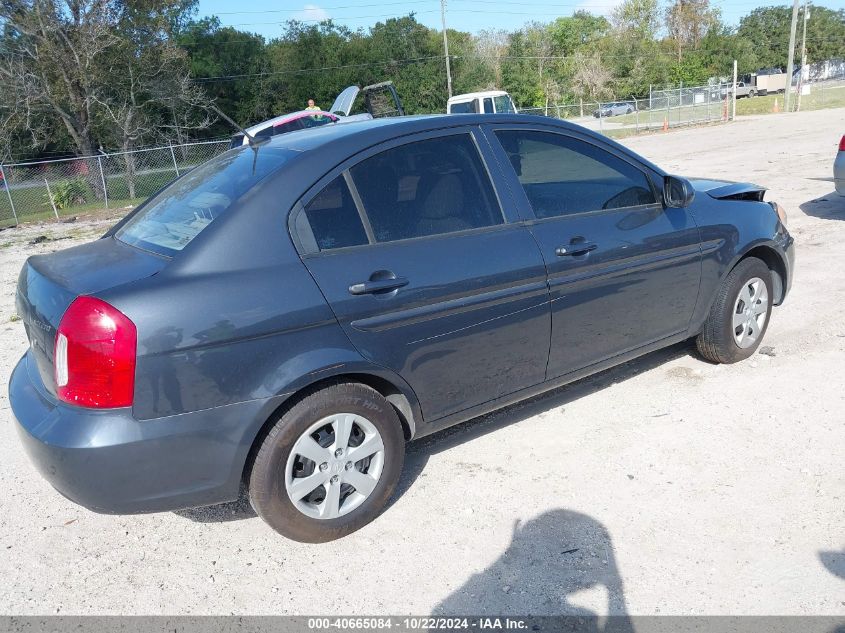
(67, 193)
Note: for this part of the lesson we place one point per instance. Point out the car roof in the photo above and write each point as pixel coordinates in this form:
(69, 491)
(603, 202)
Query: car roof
(467, 96)
(331, 143)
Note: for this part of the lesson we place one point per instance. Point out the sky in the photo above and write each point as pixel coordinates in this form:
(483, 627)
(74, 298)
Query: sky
(266, 16)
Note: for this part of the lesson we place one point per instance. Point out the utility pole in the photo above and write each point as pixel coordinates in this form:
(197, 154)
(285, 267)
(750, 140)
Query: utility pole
(791, 58)
(803, 58)
(446, 47)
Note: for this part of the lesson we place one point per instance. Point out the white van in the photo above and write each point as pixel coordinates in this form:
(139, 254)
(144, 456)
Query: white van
(487, 102)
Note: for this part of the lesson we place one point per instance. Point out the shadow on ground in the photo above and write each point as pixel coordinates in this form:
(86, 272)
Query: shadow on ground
(827, 207)
(418, 452)
(550, 561)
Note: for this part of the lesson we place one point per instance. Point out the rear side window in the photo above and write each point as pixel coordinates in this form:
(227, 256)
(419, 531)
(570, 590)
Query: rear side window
(334, 218)
(174, 217)
(463, 107)
(562, 175)
(425, 188)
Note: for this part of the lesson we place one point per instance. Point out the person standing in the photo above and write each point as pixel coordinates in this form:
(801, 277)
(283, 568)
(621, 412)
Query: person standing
(312, 105)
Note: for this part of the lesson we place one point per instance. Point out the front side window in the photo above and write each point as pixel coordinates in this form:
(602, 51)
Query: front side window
(562, 175)
(488, 105)
(174, 217)
(503, 104)
(425, 188)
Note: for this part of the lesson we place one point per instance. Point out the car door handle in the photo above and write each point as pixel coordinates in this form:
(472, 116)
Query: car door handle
(579, 248)
(377, 285)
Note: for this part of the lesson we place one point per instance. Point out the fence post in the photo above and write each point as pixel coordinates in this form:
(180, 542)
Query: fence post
(103, 180)
(637, 110)
(8, 193)
(173, 156)
(52, 202)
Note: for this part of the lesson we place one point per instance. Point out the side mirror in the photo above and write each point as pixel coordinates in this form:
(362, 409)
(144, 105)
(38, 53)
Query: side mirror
(678, 192)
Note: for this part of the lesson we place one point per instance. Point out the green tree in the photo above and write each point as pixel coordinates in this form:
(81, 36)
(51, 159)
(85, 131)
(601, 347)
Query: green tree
(767, 28)
(637, 19)
(215, 51)
(577, 32)
(688, 21)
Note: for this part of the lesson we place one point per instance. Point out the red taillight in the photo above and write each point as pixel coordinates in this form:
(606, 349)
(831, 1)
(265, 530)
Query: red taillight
(95, 355)
(842, 144)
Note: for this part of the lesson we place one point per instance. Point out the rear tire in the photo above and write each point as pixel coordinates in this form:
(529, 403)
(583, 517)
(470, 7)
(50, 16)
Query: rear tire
(739, 315)
(305, 451)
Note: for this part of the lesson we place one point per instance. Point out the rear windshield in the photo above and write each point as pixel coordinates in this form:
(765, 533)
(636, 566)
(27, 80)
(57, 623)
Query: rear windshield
(168, 222)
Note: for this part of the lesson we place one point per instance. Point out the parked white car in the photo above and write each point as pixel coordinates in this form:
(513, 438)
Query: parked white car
(487, 102)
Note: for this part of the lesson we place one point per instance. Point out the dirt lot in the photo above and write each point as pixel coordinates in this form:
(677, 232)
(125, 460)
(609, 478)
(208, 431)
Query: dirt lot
(665, 486)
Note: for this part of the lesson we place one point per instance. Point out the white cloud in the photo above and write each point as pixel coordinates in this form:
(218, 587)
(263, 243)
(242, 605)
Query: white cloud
(311, 13)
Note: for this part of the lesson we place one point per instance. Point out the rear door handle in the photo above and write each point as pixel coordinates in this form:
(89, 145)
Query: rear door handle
(377, 285)
(579, 248)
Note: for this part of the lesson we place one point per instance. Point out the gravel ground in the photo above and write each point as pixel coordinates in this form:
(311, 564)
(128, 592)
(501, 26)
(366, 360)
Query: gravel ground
(665, 486)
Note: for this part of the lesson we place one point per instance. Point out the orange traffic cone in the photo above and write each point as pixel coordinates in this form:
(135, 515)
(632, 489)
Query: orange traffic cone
(775, 107)
(665, 124)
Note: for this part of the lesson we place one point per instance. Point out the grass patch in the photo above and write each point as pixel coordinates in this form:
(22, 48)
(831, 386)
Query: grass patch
(90, 209)
(14, 318)
(818, 99)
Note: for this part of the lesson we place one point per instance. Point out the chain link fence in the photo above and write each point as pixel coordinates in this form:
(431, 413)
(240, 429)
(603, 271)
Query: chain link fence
(662, 109)
(56, 188)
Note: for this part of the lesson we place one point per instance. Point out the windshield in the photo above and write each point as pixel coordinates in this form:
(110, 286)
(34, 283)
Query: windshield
(168, 222)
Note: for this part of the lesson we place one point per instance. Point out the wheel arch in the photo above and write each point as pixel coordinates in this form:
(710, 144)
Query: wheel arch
(774, 260)
(393, 388)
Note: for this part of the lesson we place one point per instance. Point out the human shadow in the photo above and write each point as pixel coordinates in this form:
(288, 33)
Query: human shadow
(550, 560)
(418, 453)
(827, 207)
(834, 562)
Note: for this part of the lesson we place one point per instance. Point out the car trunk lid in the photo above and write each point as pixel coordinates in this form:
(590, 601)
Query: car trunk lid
(48, 284)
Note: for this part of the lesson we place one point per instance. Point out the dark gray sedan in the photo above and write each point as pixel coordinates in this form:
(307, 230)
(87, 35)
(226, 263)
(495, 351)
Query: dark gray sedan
(287, 316)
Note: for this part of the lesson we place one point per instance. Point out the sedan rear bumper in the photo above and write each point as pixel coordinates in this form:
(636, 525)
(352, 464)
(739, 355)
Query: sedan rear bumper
(839, 173)
(112, 463)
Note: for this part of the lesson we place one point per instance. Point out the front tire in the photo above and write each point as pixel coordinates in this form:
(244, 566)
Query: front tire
(739, 315)
(328, 466)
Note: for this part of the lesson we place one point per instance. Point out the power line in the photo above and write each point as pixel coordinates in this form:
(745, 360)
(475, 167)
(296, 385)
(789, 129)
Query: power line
(321, 69)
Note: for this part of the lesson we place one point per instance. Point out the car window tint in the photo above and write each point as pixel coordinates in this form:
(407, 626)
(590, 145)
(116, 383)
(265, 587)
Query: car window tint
(503, 104)
(488, 105)
(175, 216)
(334, 217)
(562, 175)
(463, 107)
(289, 126)
(267, 132)
(315, 120)
(426, 188)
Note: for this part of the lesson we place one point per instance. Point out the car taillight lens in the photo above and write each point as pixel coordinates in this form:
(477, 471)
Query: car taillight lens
(95, 355)
(842, 144)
